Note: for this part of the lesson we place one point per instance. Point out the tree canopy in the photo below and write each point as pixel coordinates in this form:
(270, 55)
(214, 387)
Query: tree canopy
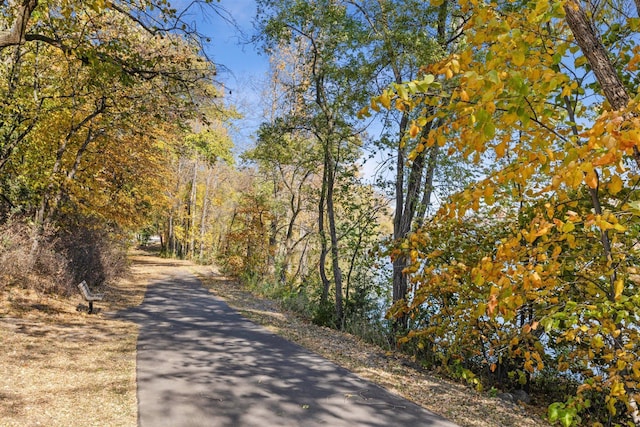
(502, 245)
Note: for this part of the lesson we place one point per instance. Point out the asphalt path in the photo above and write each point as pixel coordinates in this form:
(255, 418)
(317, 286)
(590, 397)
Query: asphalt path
(200, 363)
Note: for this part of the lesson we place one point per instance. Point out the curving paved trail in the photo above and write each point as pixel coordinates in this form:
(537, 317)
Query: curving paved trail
(202, 364)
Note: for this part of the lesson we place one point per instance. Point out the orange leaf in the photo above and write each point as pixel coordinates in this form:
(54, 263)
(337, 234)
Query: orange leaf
(413, 131)
(607, 159)
(493, 303)
(591, 179)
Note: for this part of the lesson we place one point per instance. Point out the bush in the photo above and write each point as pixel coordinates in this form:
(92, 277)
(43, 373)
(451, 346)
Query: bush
(371, 331)
(325, 315)
(29, 259)
(53, 260)
(93, 254)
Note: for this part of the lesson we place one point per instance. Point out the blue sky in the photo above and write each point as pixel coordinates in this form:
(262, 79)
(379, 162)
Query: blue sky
(241, 69)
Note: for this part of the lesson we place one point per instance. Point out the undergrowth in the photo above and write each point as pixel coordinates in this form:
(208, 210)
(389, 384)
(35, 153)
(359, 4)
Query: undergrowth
(54, 259)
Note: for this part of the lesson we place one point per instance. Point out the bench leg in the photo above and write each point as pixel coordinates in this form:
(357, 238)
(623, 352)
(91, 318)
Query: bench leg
(90, 307)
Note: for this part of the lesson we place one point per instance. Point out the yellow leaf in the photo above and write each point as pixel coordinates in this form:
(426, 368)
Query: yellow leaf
(535, 278)
(374, 105)
(385, 100)
(618, 287)
(615, 185)
(597, 342)
(464, 96)
(611, 405)
(636, 370)
(617, 389)
(492, 304)
(518, 58)
(591, 179)
(488, 191)
(363, 113)
(607, 159)
(619, 227)
(501, 148)
(413, 131)
(455, 66)
(528, 366)
(568, 227)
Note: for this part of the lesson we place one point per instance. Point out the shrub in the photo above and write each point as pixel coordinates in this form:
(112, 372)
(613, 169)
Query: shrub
(28, 258)
(53, 260)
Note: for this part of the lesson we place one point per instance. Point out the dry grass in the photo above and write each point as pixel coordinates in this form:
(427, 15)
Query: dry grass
(391, 370)
(62, 367)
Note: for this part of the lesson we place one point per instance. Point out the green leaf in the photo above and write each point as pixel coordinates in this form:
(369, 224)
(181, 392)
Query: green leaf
(555, 411)
(489, 129)
(566, 419)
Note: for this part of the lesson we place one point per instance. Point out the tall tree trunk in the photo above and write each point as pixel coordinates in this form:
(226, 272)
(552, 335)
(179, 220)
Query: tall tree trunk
(193, 200)
(205, 212)
(324, 298)
(402, 227)
(399, 279)
(614, 91)
(170, 235)
(295, 204)
(335, 256)
(273, 233)
(428, 185)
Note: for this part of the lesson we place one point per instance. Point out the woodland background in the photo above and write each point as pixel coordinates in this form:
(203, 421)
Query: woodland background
(498, 243)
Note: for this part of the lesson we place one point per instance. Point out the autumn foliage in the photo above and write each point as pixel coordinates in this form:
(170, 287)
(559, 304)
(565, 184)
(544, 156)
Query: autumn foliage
(94, 96)
(532, 271)
(526, 279)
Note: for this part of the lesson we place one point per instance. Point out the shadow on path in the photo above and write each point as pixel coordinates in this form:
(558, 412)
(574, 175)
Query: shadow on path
(202, 364)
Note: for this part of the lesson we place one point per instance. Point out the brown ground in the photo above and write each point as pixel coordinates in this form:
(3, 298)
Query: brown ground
(63, 367)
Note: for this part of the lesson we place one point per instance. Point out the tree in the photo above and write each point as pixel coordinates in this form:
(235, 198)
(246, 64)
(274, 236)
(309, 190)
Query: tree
(562, 276)
(80, 94)
(402, 41)
(93, 96)
(186, 221)
(289, 160)
(326, 33)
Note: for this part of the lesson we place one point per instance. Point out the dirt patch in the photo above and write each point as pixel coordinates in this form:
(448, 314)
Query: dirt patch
(397, 373)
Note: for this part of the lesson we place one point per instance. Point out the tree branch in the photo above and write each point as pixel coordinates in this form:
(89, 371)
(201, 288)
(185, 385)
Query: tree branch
(15, 35)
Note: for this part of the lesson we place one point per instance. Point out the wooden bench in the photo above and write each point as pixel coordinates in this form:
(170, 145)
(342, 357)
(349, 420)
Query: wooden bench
(89, 296)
